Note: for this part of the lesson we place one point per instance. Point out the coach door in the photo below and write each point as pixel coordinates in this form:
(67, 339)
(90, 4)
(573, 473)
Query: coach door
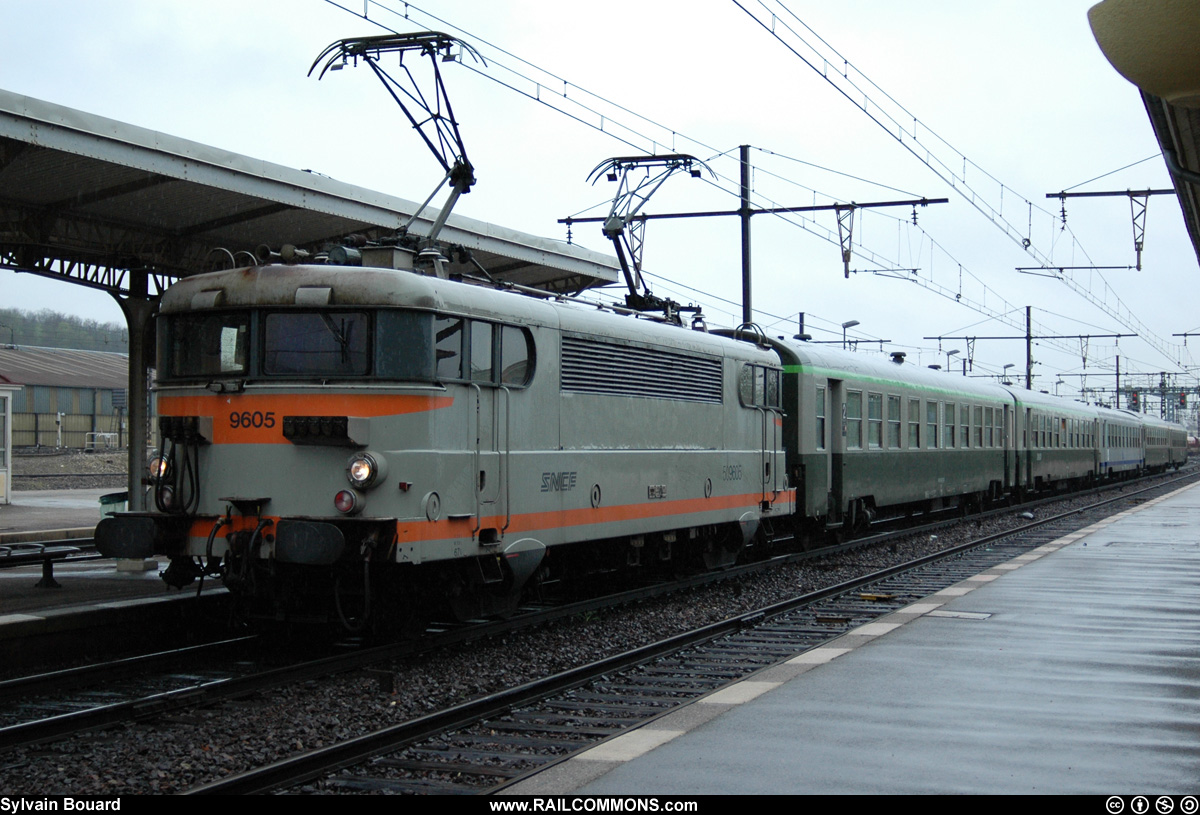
(836, 459)
(1010, 451)
(1029, 443)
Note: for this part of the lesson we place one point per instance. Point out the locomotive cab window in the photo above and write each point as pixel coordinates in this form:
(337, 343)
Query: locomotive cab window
(404, 343)
(203, 345)
(758, 386)
(482, 369)
(481, 352)
(516, 356)
(448, 336)
(324, 343)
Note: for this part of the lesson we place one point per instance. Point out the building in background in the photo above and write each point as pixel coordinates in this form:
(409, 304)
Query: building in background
(68, 398)
(7, 389)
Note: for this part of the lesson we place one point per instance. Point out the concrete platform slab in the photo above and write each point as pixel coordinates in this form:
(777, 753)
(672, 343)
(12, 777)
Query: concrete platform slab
(1077, 673)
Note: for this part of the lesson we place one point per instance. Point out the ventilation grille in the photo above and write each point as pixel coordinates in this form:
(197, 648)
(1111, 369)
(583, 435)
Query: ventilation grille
(591, 366)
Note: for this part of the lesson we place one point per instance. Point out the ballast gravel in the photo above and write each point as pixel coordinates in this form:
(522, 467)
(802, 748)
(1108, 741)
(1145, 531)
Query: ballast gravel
(183, 750)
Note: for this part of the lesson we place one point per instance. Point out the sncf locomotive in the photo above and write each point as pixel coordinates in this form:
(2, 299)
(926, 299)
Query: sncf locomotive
(371, 444)
(359, 441)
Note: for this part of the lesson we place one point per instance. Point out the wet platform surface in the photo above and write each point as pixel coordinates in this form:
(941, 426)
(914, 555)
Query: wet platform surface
(1073, 669)
(89, 593)
(43, 511)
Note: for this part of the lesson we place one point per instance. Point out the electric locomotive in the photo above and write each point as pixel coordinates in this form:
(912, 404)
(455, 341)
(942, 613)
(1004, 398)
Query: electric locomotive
(374, 443)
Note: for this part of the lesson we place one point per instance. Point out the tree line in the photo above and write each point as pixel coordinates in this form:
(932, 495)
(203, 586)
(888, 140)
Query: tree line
(51, 329)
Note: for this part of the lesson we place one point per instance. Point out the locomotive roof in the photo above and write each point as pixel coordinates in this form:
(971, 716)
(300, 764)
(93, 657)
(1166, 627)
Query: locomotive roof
(350, 287)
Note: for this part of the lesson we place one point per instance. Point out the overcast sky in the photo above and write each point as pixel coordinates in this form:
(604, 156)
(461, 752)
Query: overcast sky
(1020, 88)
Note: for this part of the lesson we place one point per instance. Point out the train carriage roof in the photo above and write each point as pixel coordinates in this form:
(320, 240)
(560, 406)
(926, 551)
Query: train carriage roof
(1045, 401)
(835, 363)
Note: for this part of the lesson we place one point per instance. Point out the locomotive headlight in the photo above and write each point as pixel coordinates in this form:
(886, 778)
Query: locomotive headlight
(365, 470)
(159, 467)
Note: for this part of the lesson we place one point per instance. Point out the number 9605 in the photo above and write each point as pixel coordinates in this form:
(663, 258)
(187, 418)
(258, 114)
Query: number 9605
(248, 418)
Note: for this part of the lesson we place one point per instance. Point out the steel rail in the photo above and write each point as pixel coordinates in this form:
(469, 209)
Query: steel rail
(313, 764)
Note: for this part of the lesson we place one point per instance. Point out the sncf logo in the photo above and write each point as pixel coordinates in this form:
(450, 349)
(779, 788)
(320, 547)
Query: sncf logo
(558, 482)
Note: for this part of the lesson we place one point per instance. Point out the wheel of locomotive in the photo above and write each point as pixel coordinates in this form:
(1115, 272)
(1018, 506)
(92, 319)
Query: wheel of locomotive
(720, 550)
(352, 599)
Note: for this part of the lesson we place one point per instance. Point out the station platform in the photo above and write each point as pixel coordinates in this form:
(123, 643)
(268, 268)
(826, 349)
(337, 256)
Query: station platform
(1073, 669)
(50, 514)
(92, 595)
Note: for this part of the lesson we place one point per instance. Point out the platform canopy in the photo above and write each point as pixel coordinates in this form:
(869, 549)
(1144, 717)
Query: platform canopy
(89, 199)
(1152, 44)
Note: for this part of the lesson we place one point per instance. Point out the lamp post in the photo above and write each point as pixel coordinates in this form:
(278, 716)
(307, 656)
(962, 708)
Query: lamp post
(845, 325)
(948, 355)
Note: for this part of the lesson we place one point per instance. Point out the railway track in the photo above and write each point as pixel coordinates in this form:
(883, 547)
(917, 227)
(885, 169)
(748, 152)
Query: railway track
(563, 728)
(488, 743)
(55, 705)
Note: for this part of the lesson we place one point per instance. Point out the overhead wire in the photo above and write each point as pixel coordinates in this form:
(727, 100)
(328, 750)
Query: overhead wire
(894, 122)
(607, 124)
(1113, 172)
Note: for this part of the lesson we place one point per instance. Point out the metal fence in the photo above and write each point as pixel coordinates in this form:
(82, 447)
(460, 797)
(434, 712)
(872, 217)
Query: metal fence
(70, 430)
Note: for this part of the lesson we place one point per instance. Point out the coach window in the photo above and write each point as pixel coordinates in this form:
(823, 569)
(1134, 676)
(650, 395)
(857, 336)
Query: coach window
(820, 415)
(448, 336)
(874, 420)
(931, 424)
(964, 420)
(950, 424)
(894, 422)
(914, 424)
(998, 424)
(854, 420)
